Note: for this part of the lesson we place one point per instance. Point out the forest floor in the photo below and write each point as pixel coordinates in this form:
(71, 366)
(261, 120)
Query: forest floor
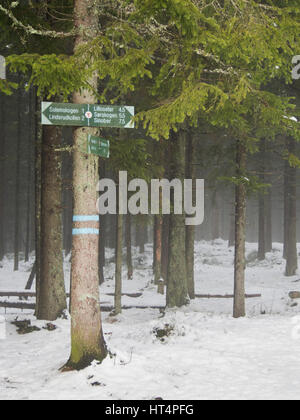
(206, 355)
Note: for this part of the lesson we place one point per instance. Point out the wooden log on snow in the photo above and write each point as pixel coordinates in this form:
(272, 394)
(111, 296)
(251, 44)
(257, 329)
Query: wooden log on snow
(19, 294)
(248, 296)
(17, 305)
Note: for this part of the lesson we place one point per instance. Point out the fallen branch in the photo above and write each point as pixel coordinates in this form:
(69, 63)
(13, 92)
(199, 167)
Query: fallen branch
(226, 296)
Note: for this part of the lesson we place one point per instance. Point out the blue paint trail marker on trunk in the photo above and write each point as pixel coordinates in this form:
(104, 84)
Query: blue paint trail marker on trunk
(85, 219)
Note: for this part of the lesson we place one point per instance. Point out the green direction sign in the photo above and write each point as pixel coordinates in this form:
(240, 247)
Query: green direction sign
(98, 146)
(87, 115)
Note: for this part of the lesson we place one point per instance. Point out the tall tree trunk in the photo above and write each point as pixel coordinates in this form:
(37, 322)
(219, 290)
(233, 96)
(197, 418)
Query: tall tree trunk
(231, 240)
(286, 208)
(215, 217)
(129, 247)
(52, 295)
(38, 194)
(87, 340)
(177, 291)
(268, 221)
(102, 232)
(261, 207)
(17, 190)
(291, 220)
(29, 182)
(165, 247)
(141, 234)
(158, 226)
(118, 271)
(102, 248)
(240, 233)
(190, 230)
(2, 175)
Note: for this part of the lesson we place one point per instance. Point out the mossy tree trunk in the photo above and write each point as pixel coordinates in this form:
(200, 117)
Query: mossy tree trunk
(177, 291)
(240, 232)
(87, 340)
(51, 300)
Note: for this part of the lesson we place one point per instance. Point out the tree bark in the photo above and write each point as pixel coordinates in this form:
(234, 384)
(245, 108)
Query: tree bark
(231, 240)
(261, 207)
(102, 232)
(165, 247)
(190, 230)
(2, 175)
(268, 221)
(291, 219)
(87, 340)
(240, 228)
(158, 226)
(17, 188)
(29, 182)
(129, 247)
(215, 216)
(177, 291)
(38, 194)
(52, 295)
(118, 272)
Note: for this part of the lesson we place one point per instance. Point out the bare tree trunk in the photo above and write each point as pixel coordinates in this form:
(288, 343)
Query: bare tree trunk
(261, 228)
(240, 228)
(38, 195)
(215, 216)
(51, 301)
(29, 182)
(286, 208)
(129, 247)
(87, 340)
(291, 220)
(102, 221)
(231, 240)
(261, 207)
(177, 291)
(17, 190)
(2, 175)
(158, 225)
(102, 249)
(118, 273)
(118, 261)
(165, 247)
(190, 230)
(268, 221)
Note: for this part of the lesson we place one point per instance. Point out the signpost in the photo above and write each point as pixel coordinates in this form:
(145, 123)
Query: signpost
(87, 115)
(98, 146)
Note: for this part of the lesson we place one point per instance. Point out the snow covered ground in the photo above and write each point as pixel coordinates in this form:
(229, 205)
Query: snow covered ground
(208, 354)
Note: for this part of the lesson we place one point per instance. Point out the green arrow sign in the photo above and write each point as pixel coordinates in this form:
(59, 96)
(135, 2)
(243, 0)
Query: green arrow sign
(98, 146)
(87, 115)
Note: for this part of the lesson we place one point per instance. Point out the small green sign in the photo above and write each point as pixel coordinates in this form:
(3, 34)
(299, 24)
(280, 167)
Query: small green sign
(87, 115)
(98, 146)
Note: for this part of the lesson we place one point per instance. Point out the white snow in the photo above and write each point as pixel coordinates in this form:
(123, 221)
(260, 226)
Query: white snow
(209, 355)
